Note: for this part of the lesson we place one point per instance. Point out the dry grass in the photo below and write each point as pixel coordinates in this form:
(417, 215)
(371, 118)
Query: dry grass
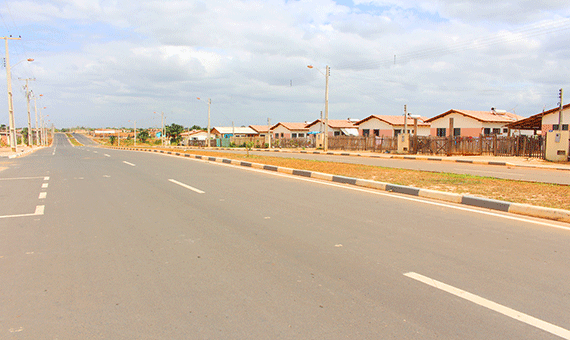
(541, 194)
(73, 140)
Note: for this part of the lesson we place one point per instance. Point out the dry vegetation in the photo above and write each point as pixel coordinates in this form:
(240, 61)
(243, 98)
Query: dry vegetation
(541, 194)
(73, 140)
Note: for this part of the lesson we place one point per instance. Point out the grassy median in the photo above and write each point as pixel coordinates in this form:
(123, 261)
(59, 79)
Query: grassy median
(73, 140)
(541, 194)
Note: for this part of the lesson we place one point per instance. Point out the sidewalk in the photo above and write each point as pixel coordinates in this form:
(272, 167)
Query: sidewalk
(6, 152)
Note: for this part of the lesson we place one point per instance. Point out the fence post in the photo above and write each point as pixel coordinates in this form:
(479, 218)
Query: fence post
(494, 145)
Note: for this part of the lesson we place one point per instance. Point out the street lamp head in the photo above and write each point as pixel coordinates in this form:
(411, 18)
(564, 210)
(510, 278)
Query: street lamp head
(310, 66)
(30, 59)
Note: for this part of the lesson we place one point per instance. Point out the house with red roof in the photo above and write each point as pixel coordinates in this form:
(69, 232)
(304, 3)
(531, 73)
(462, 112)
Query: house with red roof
(468, 123)
(289, 130)
(337, 127)
(390, 126)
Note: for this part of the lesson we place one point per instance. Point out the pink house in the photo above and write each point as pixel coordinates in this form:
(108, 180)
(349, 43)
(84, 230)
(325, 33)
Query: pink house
(389, 126)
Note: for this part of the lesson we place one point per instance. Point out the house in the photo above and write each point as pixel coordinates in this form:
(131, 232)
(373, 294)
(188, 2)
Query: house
(230, 131)
(390, 126)
(472, 123)
(289, 130)
(262, 130)
(544, 121)
(194, 135)
(337, 127)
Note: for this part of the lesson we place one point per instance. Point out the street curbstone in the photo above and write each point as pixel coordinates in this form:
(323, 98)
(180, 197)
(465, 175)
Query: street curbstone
(285, 170)
(440, 195)
(302, 173)
(542, 212)
(371, 184)
(345, 180)
(486, 203)
(401, 189)
(322, 176)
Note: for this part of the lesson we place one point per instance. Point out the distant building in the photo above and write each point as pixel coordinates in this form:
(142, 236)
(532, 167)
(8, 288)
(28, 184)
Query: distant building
(337, 127)
(472, 123)
(390, 126)
(289, 130)
(229, 131)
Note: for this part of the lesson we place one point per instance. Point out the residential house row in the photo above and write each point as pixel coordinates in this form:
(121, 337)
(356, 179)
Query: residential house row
(464, 123)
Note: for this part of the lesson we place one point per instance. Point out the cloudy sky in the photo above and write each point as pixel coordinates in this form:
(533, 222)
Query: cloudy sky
(111, 62)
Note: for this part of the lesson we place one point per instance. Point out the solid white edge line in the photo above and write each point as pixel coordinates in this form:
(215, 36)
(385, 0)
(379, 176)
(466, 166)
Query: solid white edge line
(131, 164)
(186, 186)
(522, 317)
(39, 211)
(382, 193)
(19, 178)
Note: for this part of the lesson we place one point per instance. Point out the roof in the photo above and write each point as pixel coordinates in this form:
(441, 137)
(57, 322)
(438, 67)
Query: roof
(335, 123)
(292, 126)
(534, 122)
(237, 129)
(482, 116)
(395, 120)
(193, 132)
(260, 128)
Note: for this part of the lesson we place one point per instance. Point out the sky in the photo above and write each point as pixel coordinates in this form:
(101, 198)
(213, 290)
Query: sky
(110, 63)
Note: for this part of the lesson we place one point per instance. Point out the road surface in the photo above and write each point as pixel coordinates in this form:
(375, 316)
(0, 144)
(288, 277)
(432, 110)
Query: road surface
(115, 244)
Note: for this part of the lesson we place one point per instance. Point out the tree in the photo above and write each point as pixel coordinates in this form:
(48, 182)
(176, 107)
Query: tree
(143, 135)
(173, 131)
(112, 139)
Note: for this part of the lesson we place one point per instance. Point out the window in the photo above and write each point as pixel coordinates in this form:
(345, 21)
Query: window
(565, 127)
(555, 127)
(441, 132)
(282, 134)
(301, 135)
(486, 131)
(293, 135)
(456, 132)
(276, 136)
(377, 132)
(505, 130)
(397, 132)
(337, 133)
(366, 132)
(496, 131)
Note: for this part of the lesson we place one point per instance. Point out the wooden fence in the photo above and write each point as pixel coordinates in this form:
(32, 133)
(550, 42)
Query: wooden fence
(524, 146)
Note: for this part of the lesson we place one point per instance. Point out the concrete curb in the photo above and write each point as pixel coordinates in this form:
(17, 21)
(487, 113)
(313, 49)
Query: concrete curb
(406, 157)
(22, 153)
(515, 208)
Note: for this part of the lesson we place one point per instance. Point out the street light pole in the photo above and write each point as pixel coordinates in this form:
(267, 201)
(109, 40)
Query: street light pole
(12, 123)
(326, 136)
(30, 141)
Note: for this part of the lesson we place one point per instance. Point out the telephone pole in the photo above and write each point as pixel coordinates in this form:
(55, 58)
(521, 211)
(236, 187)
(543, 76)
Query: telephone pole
(561, 94)
(326, 141)
(28, 93)
(13, 138)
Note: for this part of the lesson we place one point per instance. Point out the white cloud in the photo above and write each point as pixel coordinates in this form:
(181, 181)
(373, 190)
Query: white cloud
(102, 63)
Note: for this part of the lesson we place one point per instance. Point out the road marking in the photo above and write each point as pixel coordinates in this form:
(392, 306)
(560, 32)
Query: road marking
(45, 185)
(17, 178)
(94, 151)
(46, 178)
(106, 155)
(131, 164)
(186, 186)
(543, 325)
(42, 195)
(39, 211)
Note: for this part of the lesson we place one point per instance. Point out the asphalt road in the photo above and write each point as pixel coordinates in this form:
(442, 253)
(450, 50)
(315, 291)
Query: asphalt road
(127, 245)
(506, 172)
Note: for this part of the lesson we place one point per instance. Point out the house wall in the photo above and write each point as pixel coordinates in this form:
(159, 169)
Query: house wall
(376, 124)
(317, 127)
(550, 120)
(469, 127)
(282, 130)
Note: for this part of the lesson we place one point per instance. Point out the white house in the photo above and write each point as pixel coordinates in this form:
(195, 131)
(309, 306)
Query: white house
(337, 127)
(472, 123)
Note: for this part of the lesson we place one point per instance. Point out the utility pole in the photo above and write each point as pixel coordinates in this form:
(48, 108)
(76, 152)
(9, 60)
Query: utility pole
(30, 137)
(36, 115)
(162, 118)
(135, 133)
(326, 141)
(405, 119)
(209, 104)
(561, 93)
(13, 138)
(269, 131)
